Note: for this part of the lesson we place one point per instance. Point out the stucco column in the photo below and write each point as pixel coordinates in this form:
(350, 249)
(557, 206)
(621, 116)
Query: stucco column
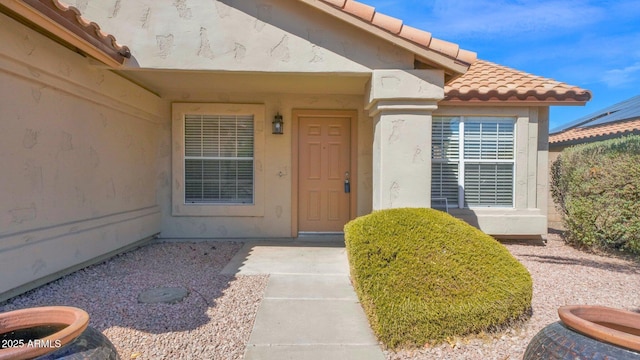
(400, 103)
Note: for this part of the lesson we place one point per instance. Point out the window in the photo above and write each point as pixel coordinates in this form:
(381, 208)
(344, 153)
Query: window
(473, 161)
(217, 159)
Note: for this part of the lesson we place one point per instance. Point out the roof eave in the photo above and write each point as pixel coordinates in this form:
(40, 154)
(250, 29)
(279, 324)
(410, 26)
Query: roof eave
(453, 67)
(53, 23)
(513, 102)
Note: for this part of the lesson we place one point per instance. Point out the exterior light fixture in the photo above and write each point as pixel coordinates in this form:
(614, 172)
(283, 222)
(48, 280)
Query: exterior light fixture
(277, 124)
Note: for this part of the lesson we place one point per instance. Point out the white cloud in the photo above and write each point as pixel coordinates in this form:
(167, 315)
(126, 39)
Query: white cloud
(618, 78)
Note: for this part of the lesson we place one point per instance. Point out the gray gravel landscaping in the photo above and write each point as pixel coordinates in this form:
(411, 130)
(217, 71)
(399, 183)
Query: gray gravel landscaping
(561, 275)
(215, 319)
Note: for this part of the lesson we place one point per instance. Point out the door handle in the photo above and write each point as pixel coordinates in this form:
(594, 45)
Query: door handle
(347, 183)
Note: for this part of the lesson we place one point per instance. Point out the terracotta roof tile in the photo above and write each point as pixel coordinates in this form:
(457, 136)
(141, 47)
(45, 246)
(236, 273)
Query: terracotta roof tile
(489, 82)
(363, 11)
(445, 47)
(416, 35)
(69, 17)
(338, 3)
(391, 24)
(396, 27)
(585, 134)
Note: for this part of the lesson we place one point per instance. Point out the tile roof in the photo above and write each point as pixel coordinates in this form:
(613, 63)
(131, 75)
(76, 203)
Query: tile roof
(69, 27)
(483, 82)
(623, 110)
(595, 133)
(70, 18)
(489, 82)
(395, 26)
(620, 119)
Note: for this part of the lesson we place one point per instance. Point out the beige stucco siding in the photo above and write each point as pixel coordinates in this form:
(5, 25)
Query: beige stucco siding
(276, 220)
(248, 35)
(78, 158)
(400, 103)
(528, 217)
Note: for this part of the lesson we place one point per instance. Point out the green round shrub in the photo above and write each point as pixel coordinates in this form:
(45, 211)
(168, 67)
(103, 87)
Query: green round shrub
(424, 276)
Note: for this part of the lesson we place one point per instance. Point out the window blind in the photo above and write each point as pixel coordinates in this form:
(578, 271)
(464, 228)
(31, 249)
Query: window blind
(488, 184)
(445, 150)
(488, 140)
(445, 141)
(444, 183)
(219, 159)
(473, 161)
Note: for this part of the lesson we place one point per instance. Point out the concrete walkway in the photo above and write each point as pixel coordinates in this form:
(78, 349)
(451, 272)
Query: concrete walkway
(310, 310)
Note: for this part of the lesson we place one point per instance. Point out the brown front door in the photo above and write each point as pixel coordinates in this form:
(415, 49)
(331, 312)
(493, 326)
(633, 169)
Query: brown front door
(323, 165)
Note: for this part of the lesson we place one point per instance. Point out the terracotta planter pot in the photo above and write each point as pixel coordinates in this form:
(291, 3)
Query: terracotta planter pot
(52, 332)
(588, 332)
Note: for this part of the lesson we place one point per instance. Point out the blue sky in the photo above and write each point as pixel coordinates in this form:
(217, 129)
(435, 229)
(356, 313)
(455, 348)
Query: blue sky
(591, 44)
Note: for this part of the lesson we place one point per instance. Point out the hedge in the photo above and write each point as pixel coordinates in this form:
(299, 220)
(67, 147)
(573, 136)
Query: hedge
(596, 188)
(423, 276)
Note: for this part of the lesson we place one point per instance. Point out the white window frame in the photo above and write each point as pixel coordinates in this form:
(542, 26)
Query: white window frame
(462, 161)
(180, 207)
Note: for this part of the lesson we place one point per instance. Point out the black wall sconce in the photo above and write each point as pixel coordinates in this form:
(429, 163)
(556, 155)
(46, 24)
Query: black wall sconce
(277, 124)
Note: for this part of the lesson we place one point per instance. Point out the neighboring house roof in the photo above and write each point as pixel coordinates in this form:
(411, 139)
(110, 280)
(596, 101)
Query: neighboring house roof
(616, 120)
(429, 49)
(486, 82)
(66, 25)
(623, 110)
(596, 133)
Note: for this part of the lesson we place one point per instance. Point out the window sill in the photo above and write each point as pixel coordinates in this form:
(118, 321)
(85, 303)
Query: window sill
(218, 210)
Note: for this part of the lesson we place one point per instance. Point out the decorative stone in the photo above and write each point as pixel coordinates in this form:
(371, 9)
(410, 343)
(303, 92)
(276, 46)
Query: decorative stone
(168, 295)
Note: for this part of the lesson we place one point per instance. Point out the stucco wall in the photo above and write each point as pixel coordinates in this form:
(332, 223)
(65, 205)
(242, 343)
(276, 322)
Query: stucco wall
(277, 218)
(78, 158)
(247, 35)
(529, 216)
(289, 37)
(401, 103)
(555, 218)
